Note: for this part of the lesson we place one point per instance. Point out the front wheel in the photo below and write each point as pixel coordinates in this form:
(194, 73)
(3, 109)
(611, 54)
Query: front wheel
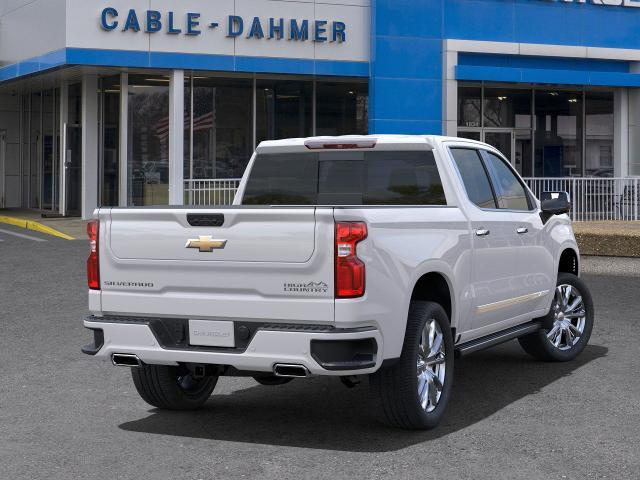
(414, 392)
(570, 323)
(172, 388)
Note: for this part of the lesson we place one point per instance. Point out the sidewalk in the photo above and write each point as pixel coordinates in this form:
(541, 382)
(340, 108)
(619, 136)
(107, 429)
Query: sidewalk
(70, 228)
(610, 266)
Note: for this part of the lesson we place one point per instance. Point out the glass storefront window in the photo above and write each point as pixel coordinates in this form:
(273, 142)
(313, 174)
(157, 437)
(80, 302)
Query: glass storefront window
(283, 109)
(341, 108)
(475, 135)
(49, 185)
(187, 165)
(222, 127)
(73, 154)
(75, 104)
(570, 133)
(558, 136)
(32, 142)
(469, 106)
(599, 134)
(110, 90)
(148, 140)
(507, 107)
(522, 153)
(501, 140)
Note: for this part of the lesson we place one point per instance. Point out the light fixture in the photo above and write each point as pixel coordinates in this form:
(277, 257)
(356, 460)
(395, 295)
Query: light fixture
(573, 100)
(502, 98)
(553, 94)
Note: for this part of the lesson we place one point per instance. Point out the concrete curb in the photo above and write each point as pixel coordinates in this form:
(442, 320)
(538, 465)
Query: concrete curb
(35, 226)
(611, 266)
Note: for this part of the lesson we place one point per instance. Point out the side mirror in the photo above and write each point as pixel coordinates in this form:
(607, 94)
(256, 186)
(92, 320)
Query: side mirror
(555, 203)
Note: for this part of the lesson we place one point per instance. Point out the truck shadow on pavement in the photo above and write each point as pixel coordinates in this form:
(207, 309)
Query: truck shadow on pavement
(320, 413)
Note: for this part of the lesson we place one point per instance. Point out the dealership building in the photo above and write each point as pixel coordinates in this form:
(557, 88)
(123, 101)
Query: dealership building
(152, 102)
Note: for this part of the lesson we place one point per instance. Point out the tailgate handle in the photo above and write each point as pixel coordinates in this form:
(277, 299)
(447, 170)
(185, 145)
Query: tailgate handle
(205, 219)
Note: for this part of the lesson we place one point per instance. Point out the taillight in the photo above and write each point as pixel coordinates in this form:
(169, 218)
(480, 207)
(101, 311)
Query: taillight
(349, 268)
(93, 264)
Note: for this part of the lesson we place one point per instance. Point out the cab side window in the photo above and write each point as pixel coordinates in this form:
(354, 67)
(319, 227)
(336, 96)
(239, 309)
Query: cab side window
(474, 177)
(510, 192)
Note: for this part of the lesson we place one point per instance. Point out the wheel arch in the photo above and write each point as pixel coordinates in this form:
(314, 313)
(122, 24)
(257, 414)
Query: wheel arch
(569, 261)
(435, 286)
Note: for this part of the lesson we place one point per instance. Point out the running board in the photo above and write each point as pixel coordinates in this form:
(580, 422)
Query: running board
(496, 338)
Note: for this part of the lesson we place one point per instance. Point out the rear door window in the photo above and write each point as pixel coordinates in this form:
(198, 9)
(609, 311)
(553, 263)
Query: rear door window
(345, 178)
(474, 177)
(410, 178)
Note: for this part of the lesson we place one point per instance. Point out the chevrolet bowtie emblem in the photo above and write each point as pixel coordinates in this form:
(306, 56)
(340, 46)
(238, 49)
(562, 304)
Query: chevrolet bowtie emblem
(205, 243)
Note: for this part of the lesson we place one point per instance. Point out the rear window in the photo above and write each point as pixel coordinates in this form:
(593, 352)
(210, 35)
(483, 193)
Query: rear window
(345, 178)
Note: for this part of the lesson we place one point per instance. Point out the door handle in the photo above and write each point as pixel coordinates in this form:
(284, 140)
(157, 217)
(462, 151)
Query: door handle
(522, 230)
(482, 232)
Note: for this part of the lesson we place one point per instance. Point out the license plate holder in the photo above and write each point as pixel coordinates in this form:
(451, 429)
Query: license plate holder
(211, 333)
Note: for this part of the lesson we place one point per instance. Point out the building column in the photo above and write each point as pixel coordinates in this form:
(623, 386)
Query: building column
(90, 173)
(62, 148)
(621, 133)
(449, 92)
(176, 138)
(123, 180)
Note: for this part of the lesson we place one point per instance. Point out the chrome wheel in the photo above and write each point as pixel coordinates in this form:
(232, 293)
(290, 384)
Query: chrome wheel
(431, 365)
(569, 317)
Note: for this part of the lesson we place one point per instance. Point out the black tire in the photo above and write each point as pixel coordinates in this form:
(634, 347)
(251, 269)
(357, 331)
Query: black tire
(271, 380)
(540, 346)
(396, 387)
(172, 388)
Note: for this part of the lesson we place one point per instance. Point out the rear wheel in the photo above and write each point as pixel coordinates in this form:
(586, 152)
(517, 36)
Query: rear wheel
(569, 323)
(414, 392)
(172, 388)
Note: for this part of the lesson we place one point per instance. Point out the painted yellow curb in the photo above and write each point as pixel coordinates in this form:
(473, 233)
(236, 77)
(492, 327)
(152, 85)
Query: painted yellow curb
(35, 226)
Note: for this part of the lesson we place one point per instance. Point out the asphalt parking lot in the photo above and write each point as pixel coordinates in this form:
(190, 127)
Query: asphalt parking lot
(65, 416)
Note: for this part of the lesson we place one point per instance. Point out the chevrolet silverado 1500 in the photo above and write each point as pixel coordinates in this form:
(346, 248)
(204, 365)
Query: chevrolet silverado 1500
(379, 256)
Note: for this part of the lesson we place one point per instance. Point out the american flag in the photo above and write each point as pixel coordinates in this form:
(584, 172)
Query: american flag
(203, 122)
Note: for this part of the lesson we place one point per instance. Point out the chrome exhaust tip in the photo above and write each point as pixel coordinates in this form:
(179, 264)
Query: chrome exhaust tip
(125, 360)
(290, 371)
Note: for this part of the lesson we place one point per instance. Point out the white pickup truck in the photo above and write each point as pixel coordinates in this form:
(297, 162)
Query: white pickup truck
(384, 256)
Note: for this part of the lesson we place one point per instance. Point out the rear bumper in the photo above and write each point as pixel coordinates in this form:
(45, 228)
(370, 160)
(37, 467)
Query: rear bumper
(323, 350)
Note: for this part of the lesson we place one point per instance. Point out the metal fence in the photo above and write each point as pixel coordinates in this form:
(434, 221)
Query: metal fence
(593, 198)
(214, 191)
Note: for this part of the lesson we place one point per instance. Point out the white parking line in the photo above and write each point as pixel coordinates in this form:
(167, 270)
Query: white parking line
(22, 235)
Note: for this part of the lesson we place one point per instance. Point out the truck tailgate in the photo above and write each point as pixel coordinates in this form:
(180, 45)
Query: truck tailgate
(252, 235)
(258, 264)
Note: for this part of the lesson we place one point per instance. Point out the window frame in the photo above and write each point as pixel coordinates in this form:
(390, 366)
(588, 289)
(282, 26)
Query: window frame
(482, 150)
(483, 154)
(475, 148)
